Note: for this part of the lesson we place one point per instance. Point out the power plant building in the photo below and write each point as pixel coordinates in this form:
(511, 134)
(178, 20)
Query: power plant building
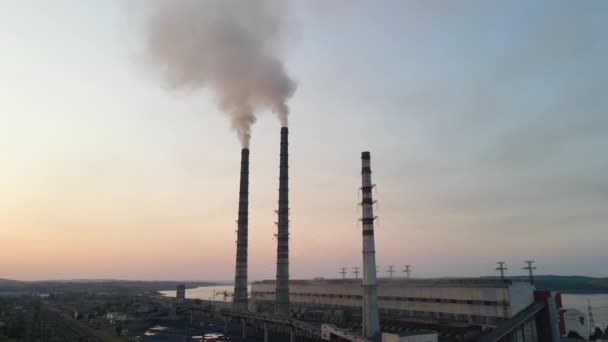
(459, 301)
(374, 309)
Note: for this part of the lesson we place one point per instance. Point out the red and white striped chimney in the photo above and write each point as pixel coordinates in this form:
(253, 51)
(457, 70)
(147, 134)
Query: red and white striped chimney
(371, 321)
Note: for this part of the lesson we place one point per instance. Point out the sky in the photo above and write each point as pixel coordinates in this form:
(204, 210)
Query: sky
(487, 124)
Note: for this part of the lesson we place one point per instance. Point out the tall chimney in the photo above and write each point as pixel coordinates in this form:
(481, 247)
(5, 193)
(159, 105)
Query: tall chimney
(371, 324)
(240, 278)
(282, 290)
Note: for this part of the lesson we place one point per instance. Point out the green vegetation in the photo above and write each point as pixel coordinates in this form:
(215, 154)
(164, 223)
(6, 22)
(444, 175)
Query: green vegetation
(20, 318)
(105, 332)
(568, 284)
(601, 282)
(43, 310)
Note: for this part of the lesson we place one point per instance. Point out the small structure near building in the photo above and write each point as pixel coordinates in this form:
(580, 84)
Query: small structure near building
(114, 317)
(145, 308)
(41, 295)
(411, 336)
(603, 338)
(330, 332)
(86, 315)
(576, 321)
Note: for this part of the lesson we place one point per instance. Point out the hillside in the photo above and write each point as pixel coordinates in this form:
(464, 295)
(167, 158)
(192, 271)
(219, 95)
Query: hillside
(13, 287)
(568, 284)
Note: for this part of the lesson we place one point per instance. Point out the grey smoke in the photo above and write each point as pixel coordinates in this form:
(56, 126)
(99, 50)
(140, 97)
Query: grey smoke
(228, 46)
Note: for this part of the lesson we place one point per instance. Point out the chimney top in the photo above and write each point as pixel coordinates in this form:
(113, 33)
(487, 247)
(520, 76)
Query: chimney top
(365, 155)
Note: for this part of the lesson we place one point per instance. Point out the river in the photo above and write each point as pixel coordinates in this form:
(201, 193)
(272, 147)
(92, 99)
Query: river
(220, 292)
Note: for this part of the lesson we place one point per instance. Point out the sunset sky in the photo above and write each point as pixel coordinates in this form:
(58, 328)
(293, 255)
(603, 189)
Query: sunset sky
(487, 123)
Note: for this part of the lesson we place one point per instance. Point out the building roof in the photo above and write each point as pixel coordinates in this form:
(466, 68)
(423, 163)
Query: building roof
(468, 282)
(574, 312)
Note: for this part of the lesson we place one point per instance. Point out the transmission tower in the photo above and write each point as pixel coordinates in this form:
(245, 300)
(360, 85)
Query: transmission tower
(407, 271)
(356, 272)
(501, 267)
(343, 272)
(530, 269)
(391, 271)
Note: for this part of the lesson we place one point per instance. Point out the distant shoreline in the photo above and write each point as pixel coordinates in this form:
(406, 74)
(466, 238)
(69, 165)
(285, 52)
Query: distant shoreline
(564, 284)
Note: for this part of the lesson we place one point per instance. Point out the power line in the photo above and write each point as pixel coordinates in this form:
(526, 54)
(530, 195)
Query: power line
(343, 272)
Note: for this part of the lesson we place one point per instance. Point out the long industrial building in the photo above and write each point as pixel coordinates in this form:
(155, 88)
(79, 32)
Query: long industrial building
(461, 301)
(390, 309)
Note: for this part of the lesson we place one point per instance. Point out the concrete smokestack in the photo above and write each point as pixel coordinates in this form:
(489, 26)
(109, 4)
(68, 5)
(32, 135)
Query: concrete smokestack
(282, 290)
(240, 278)
(371, 323)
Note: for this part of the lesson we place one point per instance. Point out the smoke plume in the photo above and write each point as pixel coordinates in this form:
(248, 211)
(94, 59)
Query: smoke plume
(229, 46)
